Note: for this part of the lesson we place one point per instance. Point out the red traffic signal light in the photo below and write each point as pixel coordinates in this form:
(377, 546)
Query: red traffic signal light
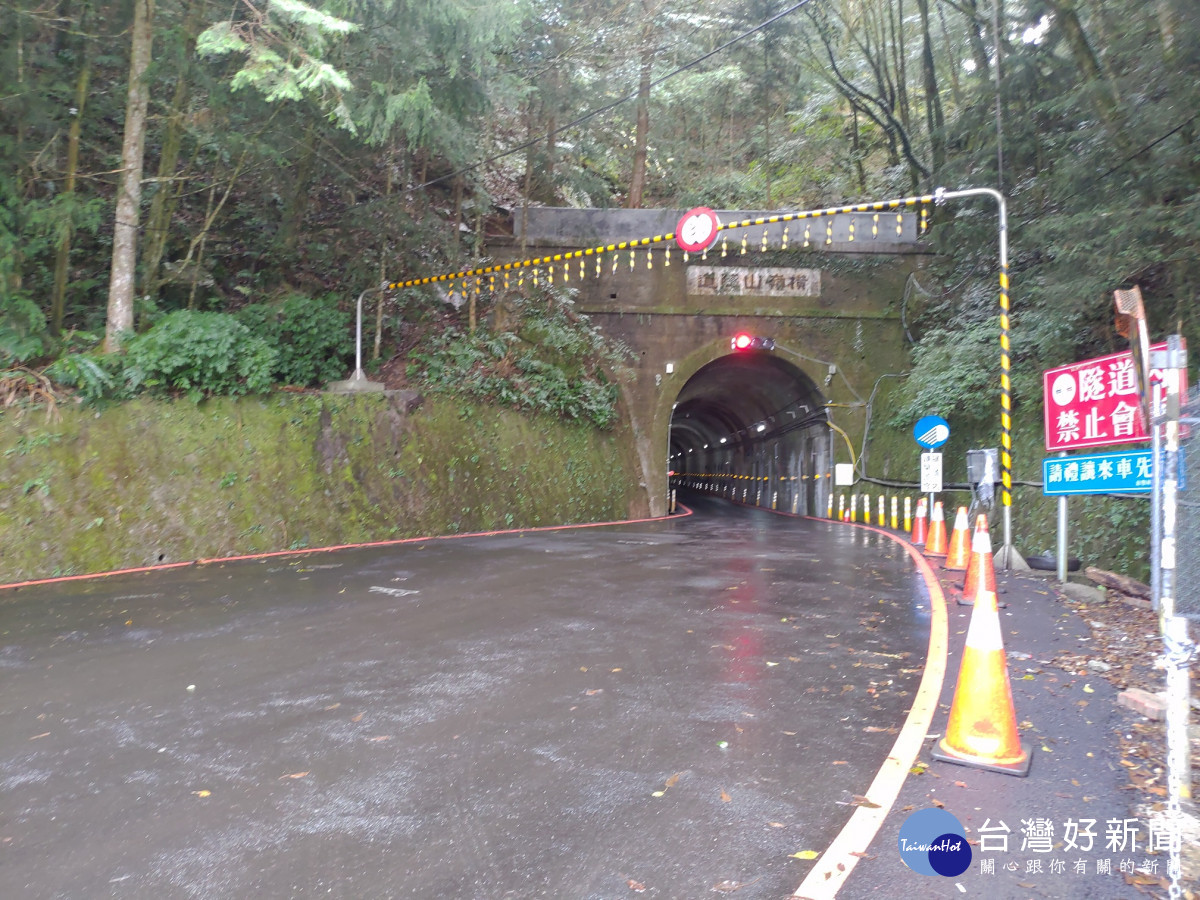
(744, 341)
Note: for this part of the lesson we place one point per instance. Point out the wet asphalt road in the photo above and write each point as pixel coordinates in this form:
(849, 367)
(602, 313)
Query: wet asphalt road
(679, 705)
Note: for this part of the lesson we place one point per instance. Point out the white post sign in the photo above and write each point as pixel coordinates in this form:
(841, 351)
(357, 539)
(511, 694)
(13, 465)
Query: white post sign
(931, 473)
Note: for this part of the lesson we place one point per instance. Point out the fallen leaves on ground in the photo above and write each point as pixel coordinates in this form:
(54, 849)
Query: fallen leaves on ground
(1122, 649)
(670, 783)
(1142, 879)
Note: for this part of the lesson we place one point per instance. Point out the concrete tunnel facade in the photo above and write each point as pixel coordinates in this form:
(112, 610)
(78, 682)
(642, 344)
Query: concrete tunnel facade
(834, 305)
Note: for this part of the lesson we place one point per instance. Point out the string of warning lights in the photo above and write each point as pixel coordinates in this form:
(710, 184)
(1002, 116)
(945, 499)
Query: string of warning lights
(558, 267)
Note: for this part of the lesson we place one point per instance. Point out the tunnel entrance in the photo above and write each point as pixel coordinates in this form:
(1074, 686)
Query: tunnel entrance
(752, 427)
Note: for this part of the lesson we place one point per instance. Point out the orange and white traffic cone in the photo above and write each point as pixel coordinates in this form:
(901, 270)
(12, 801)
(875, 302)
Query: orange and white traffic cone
(920, 525)
(982, 731)
(981, 571)
(959, 554)
(935, 541)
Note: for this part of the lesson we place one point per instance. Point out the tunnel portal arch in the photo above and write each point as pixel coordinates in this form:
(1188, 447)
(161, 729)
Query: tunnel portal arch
(753, 427)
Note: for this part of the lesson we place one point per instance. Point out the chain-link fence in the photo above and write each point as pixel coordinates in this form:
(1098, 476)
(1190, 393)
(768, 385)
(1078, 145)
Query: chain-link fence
(1187, 542)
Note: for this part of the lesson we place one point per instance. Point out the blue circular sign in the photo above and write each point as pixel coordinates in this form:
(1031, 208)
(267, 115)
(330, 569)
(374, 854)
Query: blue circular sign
(931, 432)
(933, 842)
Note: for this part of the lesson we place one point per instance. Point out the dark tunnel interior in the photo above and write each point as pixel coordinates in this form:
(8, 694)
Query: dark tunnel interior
(752, 427)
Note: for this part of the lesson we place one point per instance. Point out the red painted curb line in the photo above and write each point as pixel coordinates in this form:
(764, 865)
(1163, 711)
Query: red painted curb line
(309, 551)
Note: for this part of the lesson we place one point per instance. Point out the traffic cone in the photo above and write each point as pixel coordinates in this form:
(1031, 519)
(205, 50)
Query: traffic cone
(981, 573)
(920, 525)
(982, 731)
(935, 541)
(959, 554)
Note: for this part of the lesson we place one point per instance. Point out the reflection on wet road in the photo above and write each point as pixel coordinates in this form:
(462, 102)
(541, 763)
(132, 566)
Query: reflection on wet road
(681, 704)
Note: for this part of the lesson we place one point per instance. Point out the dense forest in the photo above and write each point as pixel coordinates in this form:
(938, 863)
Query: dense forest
(182, 178)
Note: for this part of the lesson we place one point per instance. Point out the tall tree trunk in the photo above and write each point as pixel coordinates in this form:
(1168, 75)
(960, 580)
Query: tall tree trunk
(952, 52)
(129, 191)
(1088, 64)
(768, 168)
(976, 28)
(456, 221)
(528, 182)
(934, 119)
(162, 204)
(641, 136)
(14, 277)
(1167, 23)
(859, 171)
(62, 257)
(546, 189)
(293, 218)
(900, 49)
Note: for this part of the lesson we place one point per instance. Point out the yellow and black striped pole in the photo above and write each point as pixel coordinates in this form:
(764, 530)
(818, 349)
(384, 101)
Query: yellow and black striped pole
(941, 195)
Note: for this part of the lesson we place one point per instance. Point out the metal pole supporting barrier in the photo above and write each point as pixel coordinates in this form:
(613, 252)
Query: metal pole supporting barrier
(1061, 545)
(1178, 647)
(941, 195)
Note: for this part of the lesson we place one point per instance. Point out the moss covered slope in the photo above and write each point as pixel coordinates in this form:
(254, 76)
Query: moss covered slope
(152, 482)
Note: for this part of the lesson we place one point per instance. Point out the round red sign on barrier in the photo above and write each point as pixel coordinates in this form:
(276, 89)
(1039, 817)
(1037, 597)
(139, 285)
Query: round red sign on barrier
(697, 230)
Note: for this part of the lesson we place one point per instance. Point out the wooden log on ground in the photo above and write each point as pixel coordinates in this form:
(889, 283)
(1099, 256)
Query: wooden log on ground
(1121, 583)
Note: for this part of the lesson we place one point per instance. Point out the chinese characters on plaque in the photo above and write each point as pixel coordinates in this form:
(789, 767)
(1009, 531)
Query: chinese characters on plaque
(1120, 472)
(759, 282)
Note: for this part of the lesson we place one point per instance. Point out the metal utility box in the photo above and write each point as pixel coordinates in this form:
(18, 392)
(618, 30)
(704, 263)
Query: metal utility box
(983, 466)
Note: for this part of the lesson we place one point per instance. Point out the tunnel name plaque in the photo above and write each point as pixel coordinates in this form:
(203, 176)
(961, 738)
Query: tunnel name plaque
(753, 281)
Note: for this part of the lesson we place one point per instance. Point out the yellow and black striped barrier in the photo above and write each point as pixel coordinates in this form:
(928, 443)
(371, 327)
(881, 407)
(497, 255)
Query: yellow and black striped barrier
(558, 264)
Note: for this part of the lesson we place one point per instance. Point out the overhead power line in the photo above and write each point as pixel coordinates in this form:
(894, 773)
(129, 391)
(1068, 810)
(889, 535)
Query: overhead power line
(615, 103)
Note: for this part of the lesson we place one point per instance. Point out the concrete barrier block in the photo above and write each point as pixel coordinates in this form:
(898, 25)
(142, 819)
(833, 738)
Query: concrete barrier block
(1144, 703)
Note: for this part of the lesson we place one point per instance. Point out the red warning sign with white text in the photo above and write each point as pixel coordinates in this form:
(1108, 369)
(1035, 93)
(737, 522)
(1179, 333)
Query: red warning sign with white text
(1094, 403)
